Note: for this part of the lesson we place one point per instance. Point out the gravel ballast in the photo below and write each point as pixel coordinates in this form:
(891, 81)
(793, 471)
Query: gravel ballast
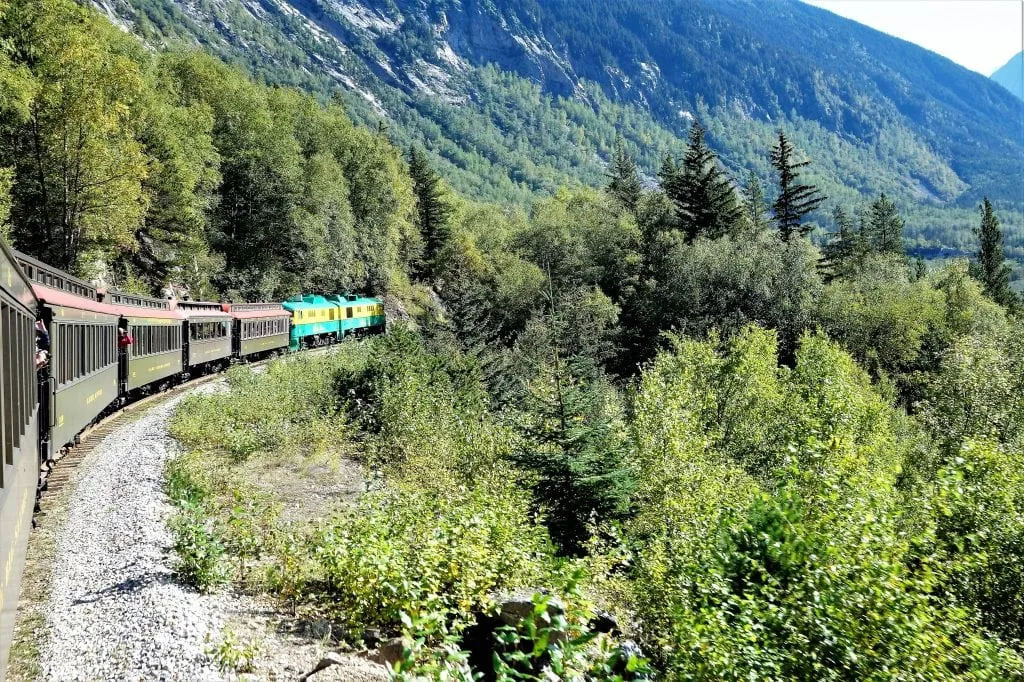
(115, 611)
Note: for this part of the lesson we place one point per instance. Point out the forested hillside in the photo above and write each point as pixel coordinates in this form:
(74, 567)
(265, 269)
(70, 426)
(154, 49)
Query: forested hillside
(516, 97)
(761, 456)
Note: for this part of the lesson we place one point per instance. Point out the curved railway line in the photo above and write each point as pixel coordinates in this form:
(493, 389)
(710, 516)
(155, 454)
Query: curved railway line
(73, 356)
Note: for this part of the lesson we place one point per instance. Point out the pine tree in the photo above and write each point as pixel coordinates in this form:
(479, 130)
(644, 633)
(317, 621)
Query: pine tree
(432, 210)
(668, 175)
(840, 253)
(991, 268)
(796, 199)
(755, 210)
(705, 200)
(886, 227)
(571, 433)
(623, 178)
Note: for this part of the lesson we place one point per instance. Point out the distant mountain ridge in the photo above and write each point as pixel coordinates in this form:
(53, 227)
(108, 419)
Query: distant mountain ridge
(1011, 75)
(519, 96)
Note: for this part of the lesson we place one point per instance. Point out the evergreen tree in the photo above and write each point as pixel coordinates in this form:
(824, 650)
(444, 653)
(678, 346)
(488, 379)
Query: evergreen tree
(840, 253)
(432, 210)
(886, 226)
(991, 268)
(705, 200)
(623, 178)
(668, 175)
(755, 210)
(796, 199)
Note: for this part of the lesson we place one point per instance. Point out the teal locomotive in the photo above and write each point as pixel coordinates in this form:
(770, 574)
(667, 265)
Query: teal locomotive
(320, 320)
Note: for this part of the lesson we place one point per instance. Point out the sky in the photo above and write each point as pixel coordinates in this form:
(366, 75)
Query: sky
(979, 34)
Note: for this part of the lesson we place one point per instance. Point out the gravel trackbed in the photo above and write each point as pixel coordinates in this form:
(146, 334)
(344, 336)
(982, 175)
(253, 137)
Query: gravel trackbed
(112, 609)
(115, 611)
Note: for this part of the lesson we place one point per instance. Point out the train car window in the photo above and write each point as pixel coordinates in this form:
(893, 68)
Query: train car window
(13, 365)
(348, 312)
(5, 444)
(5, 360)
(11, 372)
(28, 369)
(94, 348)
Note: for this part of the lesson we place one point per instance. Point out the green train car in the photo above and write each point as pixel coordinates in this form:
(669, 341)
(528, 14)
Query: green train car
(320, 320)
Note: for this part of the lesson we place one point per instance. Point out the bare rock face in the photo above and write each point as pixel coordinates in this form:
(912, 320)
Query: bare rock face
(519, 606)
(389, 652)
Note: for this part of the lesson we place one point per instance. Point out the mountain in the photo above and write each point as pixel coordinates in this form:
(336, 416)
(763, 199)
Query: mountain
(515, 97)
(1011, 75)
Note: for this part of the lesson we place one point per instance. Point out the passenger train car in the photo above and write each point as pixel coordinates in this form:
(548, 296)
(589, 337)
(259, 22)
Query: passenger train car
(93, 370)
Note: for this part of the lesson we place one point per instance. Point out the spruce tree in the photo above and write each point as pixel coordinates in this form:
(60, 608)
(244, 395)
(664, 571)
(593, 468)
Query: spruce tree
(432, 210)
(668, 175)
(571, 434)
(796, 199)
(623, 178)
(840, 253)
(755, 210)
(886, 227)
(705, 200)
(991, 268)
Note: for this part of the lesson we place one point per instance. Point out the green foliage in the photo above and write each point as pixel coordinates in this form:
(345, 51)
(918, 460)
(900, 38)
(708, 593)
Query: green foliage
(573, 442)
(78, 167)
(432, 210)
(554, 640)
(795, 199)
(705, 201)
(413, 551)
(782, 595)
(993, 272)
(885, 227)
(623, 178)
(200, 554)
(728, 283)
(231, 655)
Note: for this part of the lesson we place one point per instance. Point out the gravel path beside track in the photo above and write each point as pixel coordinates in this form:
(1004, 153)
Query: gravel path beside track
(111, 605)
(115, 611)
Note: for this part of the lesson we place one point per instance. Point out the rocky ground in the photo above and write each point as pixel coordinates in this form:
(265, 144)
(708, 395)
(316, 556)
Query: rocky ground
(113, 610)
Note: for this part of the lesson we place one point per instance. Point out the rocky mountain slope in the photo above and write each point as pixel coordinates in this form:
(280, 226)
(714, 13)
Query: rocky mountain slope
(519, 96)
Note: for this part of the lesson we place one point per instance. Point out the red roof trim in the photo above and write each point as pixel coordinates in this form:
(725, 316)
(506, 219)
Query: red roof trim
(55, 297)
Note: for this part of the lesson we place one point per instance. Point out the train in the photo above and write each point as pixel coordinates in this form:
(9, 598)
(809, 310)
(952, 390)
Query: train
(108, 348)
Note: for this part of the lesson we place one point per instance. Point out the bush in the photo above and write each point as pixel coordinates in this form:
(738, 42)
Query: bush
(404, 550)
(780, 595)
(200, 552)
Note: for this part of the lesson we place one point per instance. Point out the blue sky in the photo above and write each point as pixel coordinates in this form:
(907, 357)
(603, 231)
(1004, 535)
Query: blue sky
(979, 34)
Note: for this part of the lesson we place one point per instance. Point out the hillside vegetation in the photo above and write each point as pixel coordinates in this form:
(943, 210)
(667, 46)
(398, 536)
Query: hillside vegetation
(768, 457)
(516, 97)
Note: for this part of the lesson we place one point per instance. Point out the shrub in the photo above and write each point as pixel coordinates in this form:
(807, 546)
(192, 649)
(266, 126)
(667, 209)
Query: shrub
(200, 552)
(412, 551)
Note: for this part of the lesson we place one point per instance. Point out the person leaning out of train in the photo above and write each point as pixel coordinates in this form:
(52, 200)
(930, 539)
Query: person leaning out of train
(42, 345)
(124, 339)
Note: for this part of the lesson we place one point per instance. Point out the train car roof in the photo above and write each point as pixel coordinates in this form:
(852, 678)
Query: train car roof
(250, 311)
(56, 298)
(14, 280)
(137, 306)
(200, 310)
(310, 302)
